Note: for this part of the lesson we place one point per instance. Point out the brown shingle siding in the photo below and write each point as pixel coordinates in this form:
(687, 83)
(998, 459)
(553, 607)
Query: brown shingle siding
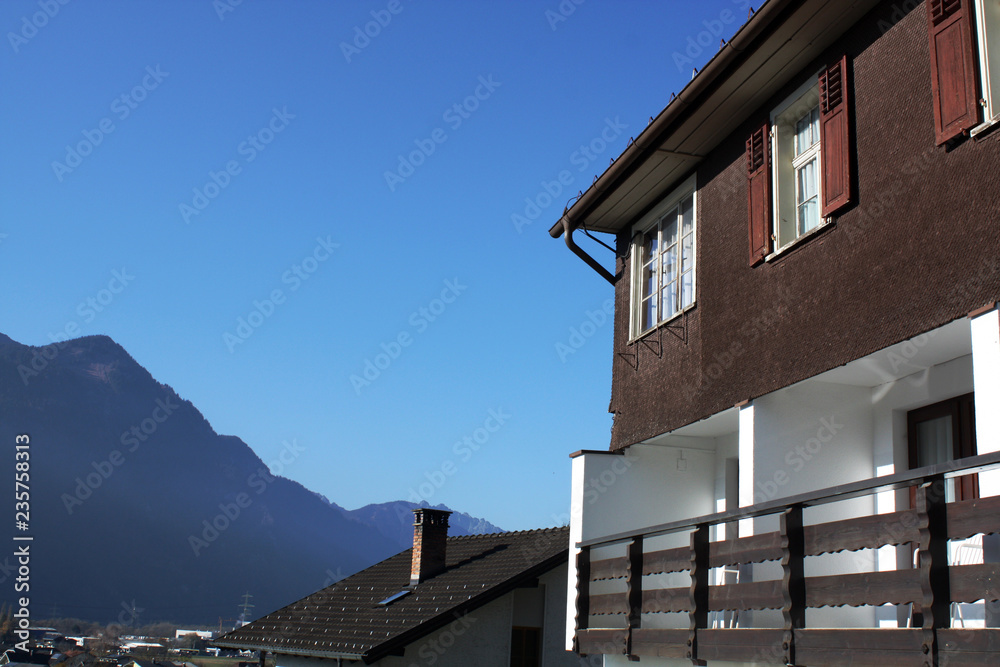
(920, 248)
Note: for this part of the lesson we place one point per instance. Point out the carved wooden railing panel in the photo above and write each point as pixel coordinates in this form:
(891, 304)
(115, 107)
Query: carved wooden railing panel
(931, 587)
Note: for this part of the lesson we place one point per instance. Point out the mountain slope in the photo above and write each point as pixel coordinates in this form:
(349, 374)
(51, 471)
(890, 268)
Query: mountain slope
(137, 502)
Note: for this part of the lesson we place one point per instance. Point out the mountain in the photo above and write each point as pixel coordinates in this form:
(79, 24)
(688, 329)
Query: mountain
(136, 503)
(394, 521)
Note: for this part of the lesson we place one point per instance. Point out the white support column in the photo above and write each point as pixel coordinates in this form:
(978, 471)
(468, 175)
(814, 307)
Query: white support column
(986, 381)
(575, 535)
(746, 438)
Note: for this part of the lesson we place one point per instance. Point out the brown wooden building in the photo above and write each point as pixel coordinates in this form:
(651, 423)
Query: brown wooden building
(806, 351)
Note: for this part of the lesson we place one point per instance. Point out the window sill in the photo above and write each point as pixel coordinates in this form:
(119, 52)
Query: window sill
(984, 128)
(649, 332)
(800, 240)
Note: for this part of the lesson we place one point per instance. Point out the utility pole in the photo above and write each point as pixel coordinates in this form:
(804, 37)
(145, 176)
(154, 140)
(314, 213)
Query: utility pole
(246, 607)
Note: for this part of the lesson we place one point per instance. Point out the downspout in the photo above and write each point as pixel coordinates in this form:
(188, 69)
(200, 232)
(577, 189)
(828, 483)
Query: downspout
(568, 227)
(650, 138)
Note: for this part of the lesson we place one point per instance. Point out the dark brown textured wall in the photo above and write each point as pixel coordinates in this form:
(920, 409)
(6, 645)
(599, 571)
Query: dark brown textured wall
(919, 248)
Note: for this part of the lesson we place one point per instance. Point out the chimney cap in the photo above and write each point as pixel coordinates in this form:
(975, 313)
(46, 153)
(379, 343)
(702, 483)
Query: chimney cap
(430, 516)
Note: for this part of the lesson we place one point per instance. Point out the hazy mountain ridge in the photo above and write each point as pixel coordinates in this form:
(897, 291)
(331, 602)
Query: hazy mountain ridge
(394, 520)
(137, 501)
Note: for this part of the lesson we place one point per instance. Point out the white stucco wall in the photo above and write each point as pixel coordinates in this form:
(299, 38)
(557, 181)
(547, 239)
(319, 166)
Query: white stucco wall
(986, 356)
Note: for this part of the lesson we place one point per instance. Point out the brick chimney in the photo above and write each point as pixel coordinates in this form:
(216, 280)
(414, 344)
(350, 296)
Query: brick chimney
(430, 537)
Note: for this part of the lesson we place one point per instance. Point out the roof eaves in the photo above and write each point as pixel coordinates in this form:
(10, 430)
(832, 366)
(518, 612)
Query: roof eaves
(653, 135)
(309, 653)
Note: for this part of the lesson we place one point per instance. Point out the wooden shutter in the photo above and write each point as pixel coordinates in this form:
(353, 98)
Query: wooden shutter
(953, 68)
(759, 187)
(835, 142)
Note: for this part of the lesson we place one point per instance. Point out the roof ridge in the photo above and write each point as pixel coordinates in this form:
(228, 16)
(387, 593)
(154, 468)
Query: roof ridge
(553, 529)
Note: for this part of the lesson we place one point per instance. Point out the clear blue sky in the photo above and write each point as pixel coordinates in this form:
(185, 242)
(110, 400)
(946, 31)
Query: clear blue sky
(213, 153)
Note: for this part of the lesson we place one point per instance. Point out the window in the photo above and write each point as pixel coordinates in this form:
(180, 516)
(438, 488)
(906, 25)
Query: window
(798, 164)
(944, 432)
(795, 135)
(963, 32)
(525, 647)
(988, 29)
(663, 254)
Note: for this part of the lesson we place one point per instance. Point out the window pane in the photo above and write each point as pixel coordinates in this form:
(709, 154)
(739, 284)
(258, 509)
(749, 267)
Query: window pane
(649, 247)
(669, 259)
(807, 131)
(670, 228)
(669, 300)
(648, 281)
(687, 215)
(649, 312)
(806, 196)
(687, 253)
(687, 289)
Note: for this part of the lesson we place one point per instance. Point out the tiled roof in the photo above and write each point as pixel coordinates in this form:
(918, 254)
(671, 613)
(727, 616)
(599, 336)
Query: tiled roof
(346, 619)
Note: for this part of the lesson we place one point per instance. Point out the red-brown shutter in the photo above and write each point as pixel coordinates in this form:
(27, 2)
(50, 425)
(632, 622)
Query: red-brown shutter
(835, 142)
(953, 68)
(759, 187)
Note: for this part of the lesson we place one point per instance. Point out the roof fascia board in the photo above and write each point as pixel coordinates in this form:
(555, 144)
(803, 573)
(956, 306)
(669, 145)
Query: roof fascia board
(719, 68)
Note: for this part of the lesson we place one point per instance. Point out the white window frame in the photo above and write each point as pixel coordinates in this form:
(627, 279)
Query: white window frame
(784, 164)
(639, 229)
(988, 43)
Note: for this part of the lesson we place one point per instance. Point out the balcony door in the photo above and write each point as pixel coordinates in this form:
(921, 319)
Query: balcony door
(944, 432)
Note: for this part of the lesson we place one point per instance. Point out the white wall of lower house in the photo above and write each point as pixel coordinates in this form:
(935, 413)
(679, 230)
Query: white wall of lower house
(481, 637)
(554, 653)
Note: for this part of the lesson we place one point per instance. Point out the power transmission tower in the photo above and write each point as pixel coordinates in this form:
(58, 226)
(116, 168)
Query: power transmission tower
(246, 607)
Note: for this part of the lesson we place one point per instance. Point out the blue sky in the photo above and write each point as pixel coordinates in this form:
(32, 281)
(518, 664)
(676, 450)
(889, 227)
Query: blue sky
(258, 199)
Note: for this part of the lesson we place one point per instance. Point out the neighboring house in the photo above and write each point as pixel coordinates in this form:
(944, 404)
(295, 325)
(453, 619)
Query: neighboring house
(806, 331)
(479, 600)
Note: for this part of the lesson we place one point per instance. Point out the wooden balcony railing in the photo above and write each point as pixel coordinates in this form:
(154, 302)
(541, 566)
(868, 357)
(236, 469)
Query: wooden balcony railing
(931, 587)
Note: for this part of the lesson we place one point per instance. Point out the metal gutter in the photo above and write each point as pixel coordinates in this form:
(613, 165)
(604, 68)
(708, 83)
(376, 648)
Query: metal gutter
(652, 137)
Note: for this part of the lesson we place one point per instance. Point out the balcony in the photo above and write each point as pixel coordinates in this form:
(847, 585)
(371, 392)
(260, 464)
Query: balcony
(927, 590)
